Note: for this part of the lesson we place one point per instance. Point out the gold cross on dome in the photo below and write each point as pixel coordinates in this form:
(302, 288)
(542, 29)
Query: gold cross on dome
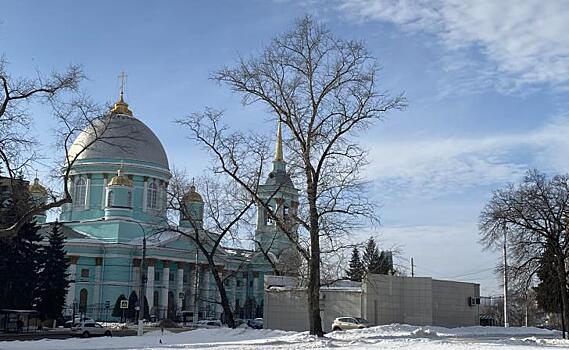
(122, 78)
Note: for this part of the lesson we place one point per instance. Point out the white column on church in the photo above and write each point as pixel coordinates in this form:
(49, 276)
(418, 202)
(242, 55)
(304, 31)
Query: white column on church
(206, 288)
(135, 283)
(88, 193)
(150, 285)
(165, 288)
(194, 300)
(70, 298)
(144, 194)
(255, 284)
(104, 194)
(179, 285)
(97, 288)
(233, 287)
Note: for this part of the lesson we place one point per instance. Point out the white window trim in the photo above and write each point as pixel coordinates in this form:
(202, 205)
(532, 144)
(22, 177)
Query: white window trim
(76, 205)
(145, 196)
(104, 194)
(87, 193)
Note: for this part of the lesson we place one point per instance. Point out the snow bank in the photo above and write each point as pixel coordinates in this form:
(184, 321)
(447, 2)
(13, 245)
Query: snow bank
(150, 339)
(387, 336)
(403, 330)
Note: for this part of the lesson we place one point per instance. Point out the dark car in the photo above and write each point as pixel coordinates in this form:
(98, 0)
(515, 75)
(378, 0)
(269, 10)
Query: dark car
(256, 323)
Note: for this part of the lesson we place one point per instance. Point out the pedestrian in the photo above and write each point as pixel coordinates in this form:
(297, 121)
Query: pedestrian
(20, 326)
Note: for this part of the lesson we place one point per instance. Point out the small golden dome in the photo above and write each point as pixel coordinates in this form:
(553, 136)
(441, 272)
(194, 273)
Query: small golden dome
(192, 196)
(121, 107)
(120, 180)
(37, 188)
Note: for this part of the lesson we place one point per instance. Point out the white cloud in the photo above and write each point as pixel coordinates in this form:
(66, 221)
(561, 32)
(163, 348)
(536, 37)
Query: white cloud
(437, 167)
(526, 42)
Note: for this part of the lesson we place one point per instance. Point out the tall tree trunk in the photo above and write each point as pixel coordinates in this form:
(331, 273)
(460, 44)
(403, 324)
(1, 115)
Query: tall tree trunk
(227, 312)
(563, 327)
(314, 319)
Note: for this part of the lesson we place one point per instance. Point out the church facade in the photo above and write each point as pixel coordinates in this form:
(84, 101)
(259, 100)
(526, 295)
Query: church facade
(119, 200)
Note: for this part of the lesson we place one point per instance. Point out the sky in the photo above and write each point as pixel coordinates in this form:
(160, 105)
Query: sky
(486, 81)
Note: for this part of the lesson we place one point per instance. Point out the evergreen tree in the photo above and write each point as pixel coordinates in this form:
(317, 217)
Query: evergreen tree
(357, 269)
(146, 309)
(386, 263)
(377, 262)
(371, 257)
(548, 294)
(117, 311)
(53, 277)
(132, 301)
(19, 268)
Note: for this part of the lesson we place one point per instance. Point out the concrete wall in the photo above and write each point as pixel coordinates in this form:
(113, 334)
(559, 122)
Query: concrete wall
(419, 301)
(393, 299)
(339, 302)
(286, 308)
(382, 299)
(451, 304)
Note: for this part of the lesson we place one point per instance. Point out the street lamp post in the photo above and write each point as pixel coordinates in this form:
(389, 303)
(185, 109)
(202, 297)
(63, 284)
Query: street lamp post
(142, 303)
(506, 324)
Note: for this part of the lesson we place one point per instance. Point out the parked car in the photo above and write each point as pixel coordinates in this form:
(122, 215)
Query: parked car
(87, 329)
(256, 323)
(77, 321)
(344, 323)
(209, 323)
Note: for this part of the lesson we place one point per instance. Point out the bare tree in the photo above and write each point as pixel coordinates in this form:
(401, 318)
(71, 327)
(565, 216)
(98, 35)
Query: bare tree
(72, 112)
(219, 216)
(324, 92)
(532, 216)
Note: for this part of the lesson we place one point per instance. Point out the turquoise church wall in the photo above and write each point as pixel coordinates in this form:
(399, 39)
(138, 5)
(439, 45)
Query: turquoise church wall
(106, 236)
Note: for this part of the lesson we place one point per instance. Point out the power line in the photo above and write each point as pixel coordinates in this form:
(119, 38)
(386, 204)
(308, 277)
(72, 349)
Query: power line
(470, 273)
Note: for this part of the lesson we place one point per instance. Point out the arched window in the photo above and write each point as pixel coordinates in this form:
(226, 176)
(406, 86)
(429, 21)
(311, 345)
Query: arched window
(110, 199)
(79, 192)
(83, 296)
(152, 195)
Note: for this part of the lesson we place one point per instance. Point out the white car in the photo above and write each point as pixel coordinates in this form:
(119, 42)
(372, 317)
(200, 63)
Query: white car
(209, 324)
(77, 321)
(344, 323)
(87, 329)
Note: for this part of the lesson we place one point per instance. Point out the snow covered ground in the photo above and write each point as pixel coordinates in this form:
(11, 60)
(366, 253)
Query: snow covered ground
(393, 336)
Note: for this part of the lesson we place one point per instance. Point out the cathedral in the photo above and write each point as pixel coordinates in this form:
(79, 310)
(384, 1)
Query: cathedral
(119, 198)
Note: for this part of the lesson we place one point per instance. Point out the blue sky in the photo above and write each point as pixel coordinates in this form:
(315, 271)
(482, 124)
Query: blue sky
(487, 84)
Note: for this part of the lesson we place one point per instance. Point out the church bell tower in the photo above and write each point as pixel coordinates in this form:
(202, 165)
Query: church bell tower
(281, 196)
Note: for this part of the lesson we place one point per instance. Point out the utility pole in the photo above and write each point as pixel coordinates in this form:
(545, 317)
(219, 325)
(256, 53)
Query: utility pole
(143, 277)
(412, 268)
(506, 324)
(196, 284)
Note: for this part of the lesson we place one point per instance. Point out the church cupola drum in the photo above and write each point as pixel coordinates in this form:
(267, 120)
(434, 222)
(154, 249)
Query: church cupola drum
(118, 140)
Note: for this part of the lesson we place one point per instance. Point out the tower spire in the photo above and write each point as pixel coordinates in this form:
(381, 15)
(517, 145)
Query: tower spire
(279, 145)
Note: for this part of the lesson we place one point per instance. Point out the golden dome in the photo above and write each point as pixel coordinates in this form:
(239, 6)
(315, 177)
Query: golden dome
(192, 196)
(120, 180)
(121, 107)
(37, 188)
